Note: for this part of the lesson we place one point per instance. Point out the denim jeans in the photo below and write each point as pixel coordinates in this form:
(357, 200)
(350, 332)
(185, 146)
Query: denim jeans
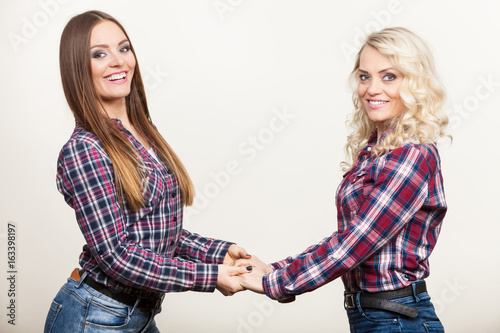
(377, 320)
(79, 308)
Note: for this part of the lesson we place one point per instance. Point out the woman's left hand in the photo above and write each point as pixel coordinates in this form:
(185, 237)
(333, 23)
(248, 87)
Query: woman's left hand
(234, 253)
(253, 280)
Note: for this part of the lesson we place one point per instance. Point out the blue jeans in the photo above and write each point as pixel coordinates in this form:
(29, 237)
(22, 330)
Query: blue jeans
(79, 308)
(377, 320)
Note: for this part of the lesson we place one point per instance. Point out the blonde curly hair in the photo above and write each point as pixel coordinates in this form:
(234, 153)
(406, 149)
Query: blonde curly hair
(423, 121)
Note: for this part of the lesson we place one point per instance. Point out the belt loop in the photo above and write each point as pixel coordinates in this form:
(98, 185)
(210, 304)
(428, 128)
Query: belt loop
(79, 282)
(131, 312)
(358, 302)
(414, 288)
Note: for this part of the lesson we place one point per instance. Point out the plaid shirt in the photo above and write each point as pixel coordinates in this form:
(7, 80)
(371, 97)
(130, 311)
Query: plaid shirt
(390, 211)
(144, 252)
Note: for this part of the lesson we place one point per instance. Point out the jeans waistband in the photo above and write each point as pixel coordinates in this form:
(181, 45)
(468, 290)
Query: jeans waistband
(149, 303)
(382, 300)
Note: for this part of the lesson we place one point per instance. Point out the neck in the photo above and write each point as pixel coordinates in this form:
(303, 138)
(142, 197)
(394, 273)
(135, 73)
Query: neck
(379, 133)
(381, 128)
(116, 109)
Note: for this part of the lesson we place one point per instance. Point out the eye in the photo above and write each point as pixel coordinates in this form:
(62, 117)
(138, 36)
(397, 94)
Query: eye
(98, 55)
(125, 48)
(389, 77)
(364, 77)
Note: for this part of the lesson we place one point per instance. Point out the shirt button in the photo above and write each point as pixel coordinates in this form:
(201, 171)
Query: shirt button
(174, 194)
(369, 149)
(175, 218)
(172, 243)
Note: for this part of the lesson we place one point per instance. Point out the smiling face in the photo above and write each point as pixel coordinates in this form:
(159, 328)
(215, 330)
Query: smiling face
(112, 62)
(378, 86)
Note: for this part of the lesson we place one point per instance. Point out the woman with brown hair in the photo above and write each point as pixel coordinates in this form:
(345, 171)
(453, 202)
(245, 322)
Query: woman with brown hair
(128, 189)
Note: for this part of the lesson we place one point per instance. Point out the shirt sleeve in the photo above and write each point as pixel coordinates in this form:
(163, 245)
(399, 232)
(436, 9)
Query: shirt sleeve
(201, 249)
(398, 192)
(287, 261)
(86, 179)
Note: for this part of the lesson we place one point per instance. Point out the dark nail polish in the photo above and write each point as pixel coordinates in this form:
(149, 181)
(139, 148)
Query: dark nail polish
(249, 268)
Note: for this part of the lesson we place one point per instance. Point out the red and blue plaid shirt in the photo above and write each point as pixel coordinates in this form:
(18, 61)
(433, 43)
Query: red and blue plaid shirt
(144, 252)
(390, 210)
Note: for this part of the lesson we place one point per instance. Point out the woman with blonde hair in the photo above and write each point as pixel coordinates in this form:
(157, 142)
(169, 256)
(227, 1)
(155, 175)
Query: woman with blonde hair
(128, 189)
(390, 202)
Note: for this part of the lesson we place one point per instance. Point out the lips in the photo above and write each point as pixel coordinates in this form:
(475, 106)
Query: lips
(376, 103)
(117, 77)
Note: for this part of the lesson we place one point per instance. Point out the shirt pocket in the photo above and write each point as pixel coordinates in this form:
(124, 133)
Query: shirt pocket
(357, 189)
(153, 188)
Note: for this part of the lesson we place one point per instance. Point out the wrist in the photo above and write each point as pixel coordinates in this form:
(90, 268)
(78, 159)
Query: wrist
(218, 252)
(206, 277)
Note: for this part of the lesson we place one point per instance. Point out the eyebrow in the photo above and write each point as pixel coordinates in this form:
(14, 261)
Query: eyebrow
(383, 70)
(106, 45)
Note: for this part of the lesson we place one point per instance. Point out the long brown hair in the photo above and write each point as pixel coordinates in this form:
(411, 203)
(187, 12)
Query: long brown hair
(86, 105)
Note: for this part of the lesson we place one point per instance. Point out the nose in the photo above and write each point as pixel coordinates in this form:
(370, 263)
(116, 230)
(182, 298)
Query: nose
(116, 60)
(375, 87)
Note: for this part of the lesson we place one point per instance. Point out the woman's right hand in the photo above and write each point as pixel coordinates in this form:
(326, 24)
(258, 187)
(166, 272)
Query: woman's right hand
(228, 280)
(253, 281)
(254, 261)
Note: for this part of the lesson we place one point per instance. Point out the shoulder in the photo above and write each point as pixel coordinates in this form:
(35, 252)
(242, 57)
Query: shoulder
(83, 152)
(417, 156)
(81, 142)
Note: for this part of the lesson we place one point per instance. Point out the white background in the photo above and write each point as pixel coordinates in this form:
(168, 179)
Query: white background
(216, 78)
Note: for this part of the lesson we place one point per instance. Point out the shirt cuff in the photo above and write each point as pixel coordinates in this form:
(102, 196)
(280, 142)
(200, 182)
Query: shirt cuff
(217, 251)
(274, 287)
(205, 277)
(280, 264)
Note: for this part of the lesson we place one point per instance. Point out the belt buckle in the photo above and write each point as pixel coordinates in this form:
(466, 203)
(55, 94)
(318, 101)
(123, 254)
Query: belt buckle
(349, 301)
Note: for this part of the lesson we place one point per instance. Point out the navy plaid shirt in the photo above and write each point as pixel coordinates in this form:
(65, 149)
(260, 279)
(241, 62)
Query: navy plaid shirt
(145, 252)
(390, 211)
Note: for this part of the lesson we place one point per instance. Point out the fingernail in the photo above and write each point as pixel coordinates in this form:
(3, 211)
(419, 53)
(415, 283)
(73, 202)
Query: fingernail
(249, 268)
(248, 255)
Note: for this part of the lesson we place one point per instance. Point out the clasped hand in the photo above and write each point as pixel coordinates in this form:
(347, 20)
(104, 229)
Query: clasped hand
(240, 271)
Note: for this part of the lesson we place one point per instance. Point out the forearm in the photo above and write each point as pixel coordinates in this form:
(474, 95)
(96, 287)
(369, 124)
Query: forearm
(200, 249)
(143, 269)
(287, 261)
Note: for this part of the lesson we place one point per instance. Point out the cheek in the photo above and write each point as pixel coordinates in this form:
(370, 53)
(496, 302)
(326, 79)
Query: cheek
(131, 61)
(361, 90)
(399, 106)
(393, 91)
(97, 72)
(393, 94)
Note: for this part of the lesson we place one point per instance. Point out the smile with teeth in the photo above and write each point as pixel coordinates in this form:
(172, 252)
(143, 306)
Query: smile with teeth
(372, 102)
(116, 77)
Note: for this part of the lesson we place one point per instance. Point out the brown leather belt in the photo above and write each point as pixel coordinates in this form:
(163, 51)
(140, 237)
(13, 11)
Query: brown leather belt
(382, 300)
(149, 303)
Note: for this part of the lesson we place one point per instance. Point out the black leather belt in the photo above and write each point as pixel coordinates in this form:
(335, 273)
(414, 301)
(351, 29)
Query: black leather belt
(149, 303)
(382, 300)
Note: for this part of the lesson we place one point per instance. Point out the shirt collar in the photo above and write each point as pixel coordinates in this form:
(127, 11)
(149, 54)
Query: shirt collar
(117, 121)
(372, 141)
(373, 137)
